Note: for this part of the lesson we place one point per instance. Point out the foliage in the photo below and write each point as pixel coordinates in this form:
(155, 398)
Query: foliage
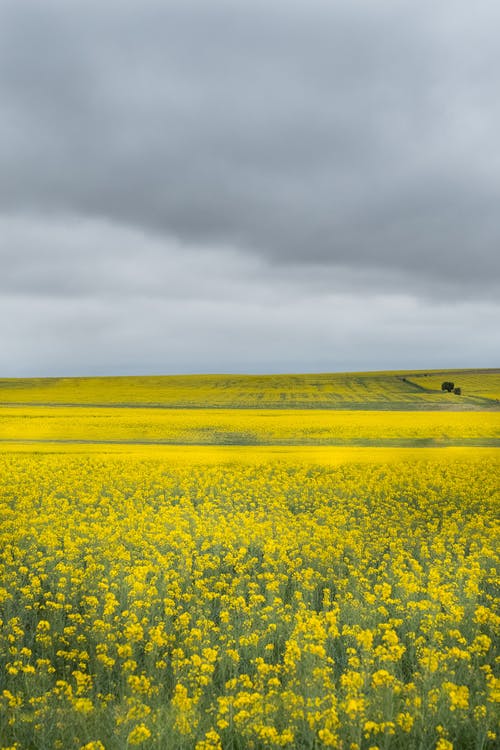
(447, 385)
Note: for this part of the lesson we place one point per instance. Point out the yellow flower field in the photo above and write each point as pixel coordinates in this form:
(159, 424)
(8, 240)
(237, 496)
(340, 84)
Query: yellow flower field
(381, 390)
(157, 600)
(482, 384)
(250, 426)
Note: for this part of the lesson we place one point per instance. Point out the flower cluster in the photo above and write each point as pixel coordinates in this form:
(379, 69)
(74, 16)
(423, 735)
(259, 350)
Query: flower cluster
(157, 604)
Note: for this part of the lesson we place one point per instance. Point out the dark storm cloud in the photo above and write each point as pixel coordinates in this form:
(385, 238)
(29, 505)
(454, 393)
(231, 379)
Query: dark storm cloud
(327, 135)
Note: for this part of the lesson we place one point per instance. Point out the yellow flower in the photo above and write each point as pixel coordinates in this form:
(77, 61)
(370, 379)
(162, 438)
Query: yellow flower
(328, 738)
(138, 735)
(212, 741)
(382, 678)
(443, 744)
(13, 701)
(458, 695)
(405, 721)
(83, 705)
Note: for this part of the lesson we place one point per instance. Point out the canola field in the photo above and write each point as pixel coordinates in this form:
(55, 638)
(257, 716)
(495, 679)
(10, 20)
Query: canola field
(364, 390)
(159, 604)
(249, 426)
(480, 383)
(224, 579)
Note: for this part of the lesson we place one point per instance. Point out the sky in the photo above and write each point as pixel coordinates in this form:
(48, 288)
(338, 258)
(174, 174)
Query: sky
(248, 186)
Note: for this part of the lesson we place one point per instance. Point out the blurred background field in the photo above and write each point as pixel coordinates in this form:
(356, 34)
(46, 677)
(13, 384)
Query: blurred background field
(251, 427)
(389, 409)
(480, 389)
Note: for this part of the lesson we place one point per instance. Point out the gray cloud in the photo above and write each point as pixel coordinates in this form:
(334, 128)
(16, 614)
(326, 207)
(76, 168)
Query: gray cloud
(313, 333)
(74, 300)
(350, 132)
(240, 160)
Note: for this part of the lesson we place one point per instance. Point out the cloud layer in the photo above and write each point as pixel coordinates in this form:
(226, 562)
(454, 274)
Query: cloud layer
(227, 186)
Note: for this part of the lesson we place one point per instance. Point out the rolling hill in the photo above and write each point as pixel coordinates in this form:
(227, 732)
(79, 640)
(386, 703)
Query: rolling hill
(401, 390)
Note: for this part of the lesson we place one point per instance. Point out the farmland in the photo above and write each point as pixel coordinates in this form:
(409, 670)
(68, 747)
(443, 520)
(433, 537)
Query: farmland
(383, 390)
(249, 426)
(238, 571)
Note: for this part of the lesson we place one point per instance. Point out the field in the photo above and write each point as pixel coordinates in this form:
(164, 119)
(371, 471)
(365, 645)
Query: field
(259, 577)
(248, 427)
(382, 390)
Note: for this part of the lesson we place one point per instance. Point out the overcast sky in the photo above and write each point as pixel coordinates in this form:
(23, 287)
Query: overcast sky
(247, 186)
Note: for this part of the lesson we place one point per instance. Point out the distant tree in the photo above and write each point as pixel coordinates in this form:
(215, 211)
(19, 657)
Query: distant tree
(447, 386)
(458, 391)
